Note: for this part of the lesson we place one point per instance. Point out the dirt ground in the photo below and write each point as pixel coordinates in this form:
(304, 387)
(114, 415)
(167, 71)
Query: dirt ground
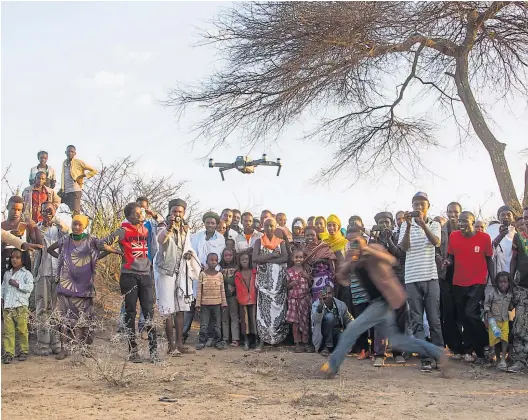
(278, 383)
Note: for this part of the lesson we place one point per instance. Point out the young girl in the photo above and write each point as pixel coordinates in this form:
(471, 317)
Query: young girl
(496, 306)
(209, 302)
(246, 294)
(16, 288)
(299, 302)
(230, 315)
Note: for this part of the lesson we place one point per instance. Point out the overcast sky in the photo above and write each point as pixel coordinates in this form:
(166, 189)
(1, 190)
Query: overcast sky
(90, 74)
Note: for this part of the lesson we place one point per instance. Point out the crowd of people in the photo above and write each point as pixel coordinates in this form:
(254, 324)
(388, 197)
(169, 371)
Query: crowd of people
(411, 283)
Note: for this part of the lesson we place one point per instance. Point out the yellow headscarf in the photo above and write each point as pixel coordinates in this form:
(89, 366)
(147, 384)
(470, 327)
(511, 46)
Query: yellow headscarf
(82, 219)
(337, 241)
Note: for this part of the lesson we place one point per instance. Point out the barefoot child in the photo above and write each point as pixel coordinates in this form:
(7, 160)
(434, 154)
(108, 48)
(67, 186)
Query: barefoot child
(209, 302)
(299, 284)
(230, 319)
(246, 294)
(16, 288)
(496, 306)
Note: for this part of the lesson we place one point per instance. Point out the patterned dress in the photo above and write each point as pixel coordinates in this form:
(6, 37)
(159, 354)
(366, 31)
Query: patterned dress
(271, 301)
(299, 301)
(76, 290)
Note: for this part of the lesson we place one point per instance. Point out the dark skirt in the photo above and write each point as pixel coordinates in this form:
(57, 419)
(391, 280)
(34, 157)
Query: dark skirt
(76, 312)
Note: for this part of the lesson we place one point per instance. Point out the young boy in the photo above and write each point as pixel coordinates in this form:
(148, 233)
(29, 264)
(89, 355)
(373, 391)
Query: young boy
(210, 300)
(16, 288)
(496, 306)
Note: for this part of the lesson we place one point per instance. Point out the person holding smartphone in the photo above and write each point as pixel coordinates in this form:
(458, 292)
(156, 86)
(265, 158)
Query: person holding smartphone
(502, 235)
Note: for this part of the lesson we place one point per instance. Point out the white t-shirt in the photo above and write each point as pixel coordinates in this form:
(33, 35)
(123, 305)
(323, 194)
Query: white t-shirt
(420, 263)
(502, 253)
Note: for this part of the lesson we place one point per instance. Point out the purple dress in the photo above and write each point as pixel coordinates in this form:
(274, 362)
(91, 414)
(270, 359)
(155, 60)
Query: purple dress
(76, 288)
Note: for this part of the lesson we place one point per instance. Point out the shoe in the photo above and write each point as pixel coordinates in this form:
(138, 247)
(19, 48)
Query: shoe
(456, 357)
(299, 349)
(8, 359)
(469, 358)
(185, 337)
(363, 355)
(246, 345)
(200, 346)
(480, 361)
(22, 357)
(42, 352)
(426, 366)
(326, 371)
(515, 368)
(209, 342)
(154, 358)
(502, 365)
(221, 345)
(378, 361)
(310, 349)
(134, 357)
(400, 360)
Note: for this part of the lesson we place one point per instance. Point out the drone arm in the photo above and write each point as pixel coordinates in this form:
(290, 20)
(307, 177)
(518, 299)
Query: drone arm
(222, 165)
(278, 170)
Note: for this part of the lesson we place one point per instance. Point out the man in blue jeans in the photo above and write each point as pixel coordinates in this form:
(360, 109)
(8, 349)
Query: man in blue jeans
(372, 264)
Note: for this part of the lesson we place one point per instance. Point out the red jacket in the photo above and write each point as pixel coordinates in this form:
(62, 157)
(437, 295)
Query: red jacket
(245, 296)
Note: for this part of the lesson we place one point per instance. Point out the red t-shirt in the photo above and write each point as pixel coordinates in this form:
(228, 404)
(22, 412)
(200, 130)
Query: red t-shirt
(470, 257)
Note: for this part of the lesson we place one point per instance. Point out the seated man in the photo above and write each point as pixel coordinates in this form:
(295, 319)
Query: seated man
(330, 317)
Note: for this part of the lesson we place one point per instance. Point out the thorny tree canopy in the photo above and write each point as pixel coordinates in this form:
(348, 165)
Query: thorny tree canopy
(285, 58)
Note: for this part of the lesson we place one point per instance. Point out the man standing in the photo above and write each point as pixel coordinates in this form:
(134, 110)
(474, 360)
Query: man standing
(249, 235)
(26, 230)
(470, 252)
(46, 267)
(419, 238)
(37, 194)
(502, 236)
(227, 217)
(177, 267)
(450, 322)
(237, 218)
(51, 178)
(135, 280)
(72, 179)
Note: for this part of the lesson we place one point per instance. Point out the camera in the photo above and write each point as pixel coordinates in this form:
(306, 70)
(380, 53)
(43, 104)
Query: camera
(415, 213)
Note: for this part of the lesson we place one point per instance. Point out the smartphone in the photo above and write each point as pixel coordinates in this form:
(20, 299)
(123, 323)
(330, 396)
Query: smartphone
(21, 227)
(414, 213)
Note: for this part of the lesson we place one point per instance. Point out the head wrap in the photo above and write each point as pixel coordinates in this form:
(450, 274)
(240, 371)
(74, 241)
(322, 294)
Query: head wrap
(299, 222)
(211, 215)
(337, 241)
(324, 234)
(82, 219)
(177, 202)
(381, 214)
(504, 208)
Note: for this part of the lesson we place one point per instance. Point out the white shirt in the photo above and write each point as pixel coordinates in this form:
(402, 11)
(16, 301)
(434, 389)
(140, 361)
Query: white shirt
(204, 247)
(420, 264)
(49, 264)
(13, 297)
(242, 243)
(503, 253)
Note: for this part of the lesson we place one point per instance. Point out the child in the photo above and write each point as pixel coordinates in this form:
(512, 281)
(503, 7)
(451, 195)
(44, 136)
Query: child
(246, 294)
(299, 285)
(16, 288)
(230, 314)
(496, 306)
(209, 302)
(230, 244)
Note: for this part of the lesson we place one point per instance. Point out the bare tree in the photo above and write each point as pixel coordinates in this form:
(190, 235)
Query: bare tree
(284, 58)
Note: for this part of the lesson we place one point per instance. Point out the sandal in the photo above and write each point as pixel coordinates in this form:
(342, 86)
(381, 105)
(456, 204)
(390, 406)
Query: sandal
(7, 359)
(185, 350)
(310, 349)
(174, 353)
(235, 343)
(325, 353)
(299, 349)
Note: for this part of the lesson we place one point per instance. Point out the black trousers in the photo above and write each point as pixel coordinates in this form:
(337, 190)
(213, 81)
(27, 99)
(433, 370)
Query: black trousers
(451, 330)
(362, 342)
(468, 299)
(134, 286)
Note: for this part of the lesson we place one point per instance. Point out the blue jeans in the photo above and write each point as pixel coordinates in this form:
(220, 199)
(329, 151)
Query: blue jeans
(141, 323)
(380, 315)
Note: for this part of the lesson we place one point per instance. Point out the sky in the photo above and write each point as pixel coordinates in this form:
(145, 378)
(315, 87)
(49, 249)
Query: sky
(92, 74)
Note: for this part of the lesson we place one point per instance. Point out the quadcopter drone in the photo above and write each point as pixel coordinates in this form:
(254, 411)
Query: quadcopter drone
(245, 165)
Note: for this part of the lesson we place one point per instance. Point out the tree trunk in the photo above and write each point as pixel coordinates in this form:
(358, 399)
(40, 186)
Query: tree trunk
(492, 145)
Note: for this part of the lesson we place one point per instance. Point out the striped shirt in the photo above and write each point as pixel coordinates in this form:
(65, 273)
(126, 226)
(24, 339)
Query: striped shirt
(211, 290)
(420, 263)
(16, 297)
(359, 294)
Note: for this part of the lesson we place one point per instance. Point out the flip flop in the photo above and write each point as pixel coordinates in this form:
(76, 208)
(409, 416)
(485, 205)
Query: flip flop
(174, 353)
(186, 350)
(167, 399)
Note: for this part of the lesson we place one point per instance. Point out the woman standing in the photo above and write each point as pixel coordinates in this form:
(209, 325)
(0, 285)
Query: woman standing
(298, 226)
(78, 254)
(335, 239)
(321, 260)
(271, 255)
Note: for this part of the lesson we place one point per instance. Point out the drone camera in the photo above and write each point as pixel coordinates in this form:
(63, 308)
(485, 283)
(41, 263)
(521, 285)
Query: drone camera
(279, 161)
(264, 157)
(211, 163)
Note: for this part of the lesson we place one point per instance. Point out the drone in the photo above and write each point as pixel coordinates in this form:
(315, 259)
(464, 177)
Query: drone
(245, 165)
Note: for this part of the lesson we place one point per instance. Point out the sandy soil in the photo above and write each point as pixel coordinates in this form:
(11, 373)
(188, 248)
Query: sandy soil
(236, 384)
